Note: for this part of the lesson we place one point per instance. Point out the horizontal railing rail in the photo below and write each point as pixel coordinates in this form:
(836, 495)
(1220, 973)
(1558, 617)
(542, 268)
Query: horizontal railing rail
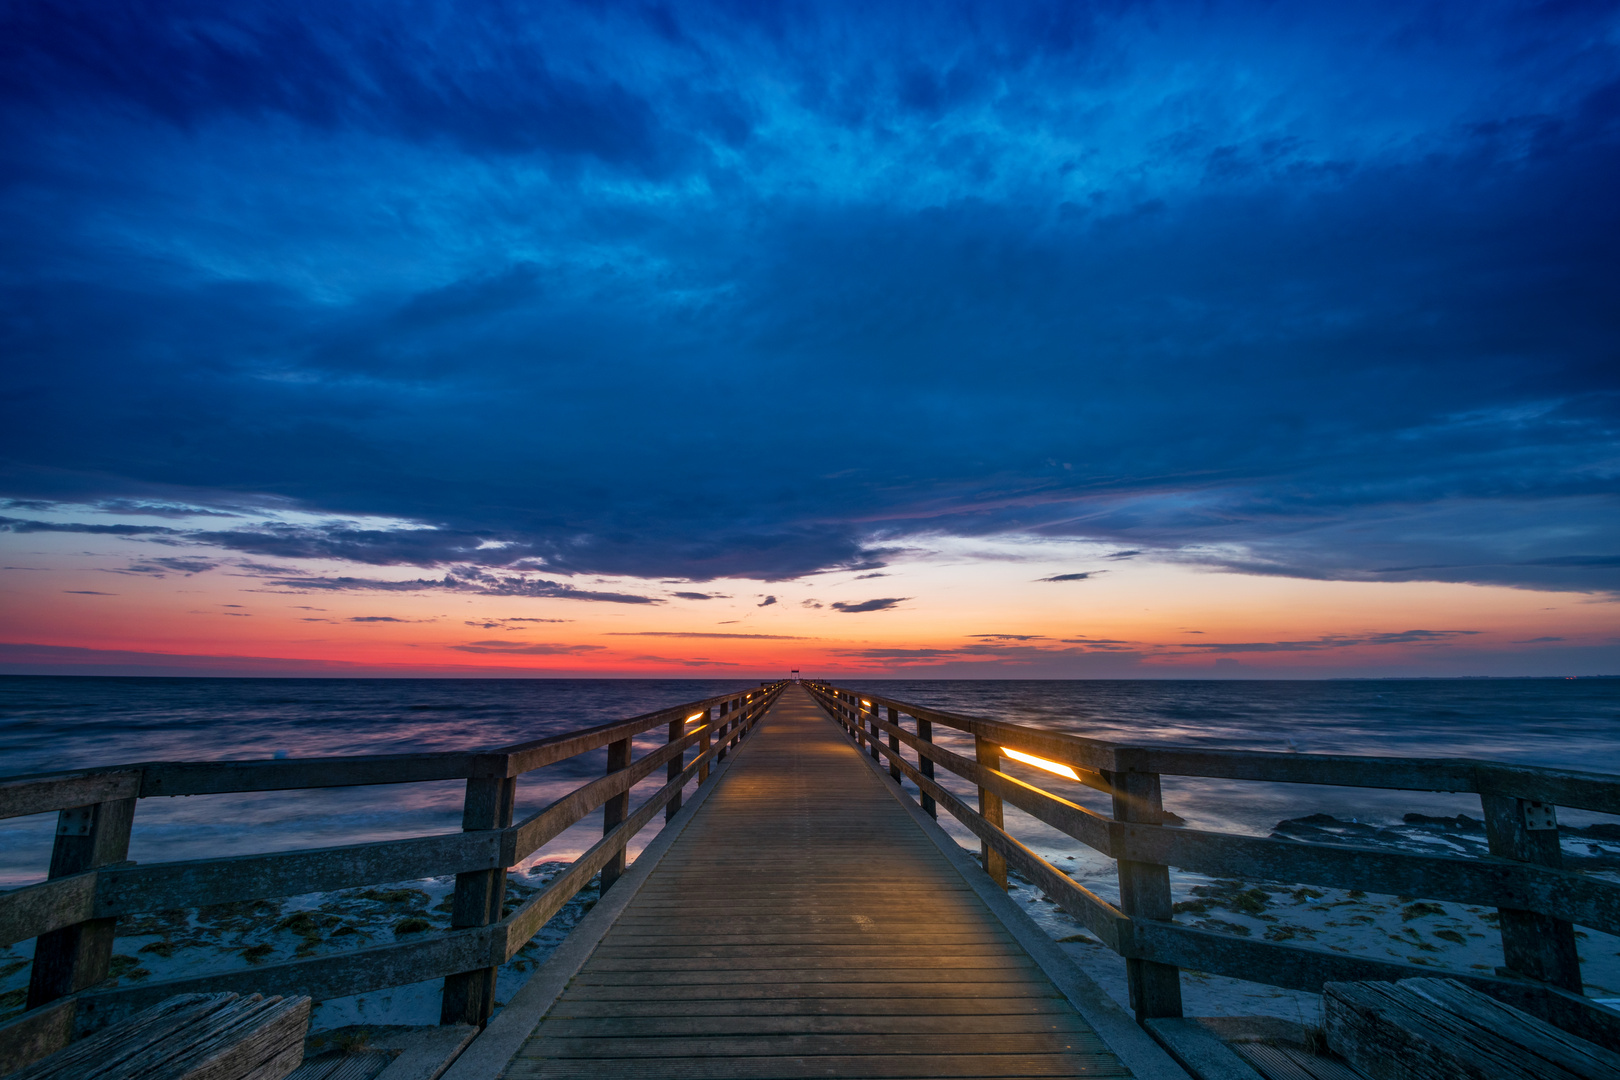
(91, 883)
(1538, 901)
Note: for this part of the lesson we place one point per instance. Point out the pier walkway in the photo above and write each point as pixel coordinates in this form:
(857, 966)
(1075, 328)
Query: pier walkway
(803, 924)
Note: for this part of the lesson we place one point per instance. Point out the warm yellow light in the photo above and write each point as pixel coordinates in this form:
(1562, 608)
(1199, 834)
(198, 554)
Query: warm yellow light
(695, 716)
(1041, 763)
(865, 702)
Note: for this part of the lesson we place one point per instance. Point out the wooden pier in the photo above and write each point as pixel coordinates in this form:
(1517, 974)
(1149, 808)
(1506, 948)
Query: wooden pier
(803, 925)
(802, 913)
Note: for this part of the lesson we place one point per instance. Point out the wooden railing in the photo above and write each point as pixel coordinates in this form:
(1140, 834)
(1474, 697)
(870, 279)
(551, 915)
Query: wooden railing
(1539, 902)
(91, 883)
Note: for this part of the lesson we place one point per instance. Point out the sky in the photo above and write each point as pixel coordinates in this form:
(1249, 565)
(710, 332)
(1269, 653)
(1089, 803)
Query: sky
(959, 340)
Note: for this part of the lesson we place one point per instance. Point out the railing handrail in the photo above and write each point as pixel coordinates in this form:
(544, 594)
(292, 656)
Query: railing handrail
(1539, 901)
(1594, 791)
(91, 884)
(38, 793)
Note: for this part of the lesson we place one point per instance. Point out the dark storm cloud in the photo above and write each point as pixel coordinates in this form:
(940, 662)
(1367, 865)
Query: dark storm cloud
(712, 291)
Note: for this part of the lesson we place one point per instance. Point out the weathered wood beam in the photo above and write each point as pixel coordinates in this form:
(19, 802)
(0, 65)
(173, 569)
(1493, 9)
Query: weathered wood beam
(469, 996)
(48, 792)
(200, 882)
(353, 971)
(33, 910)
(1144, 896)
(35, 1034)
(70, 958)
(1534, 944)
(1490, 882)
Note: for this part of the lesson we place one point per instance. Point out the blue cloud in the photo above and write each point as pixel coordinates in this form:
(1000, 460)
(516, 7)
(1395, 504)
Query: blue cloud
(708, 291)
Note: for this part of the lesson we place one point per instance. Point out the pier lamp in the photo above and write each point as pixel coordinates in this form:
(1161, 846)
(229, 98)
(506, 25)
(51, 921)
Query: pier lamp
(1041, 763)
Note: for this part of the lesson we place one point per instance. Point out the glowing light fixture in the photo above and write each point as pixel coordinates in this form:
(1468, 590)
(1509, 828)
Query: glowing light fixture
(694, 716)
(1041, 763)
(865, 702)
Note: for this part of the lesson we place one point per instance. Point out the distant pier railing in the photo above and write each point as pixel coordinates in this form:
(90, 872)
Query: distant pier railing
(1538, 901)
(91, 884)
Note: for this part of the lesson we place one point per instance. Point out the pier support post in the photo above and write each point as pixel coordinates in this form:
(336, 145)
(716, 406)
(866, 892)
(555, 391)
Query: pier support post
(1144, 893)
(995, 863)
(872, 731)
(925, 765)
(677, 731)
(703, 744)
(615, 810)
(469, 996)
(724, 731)
(1534, 946)
(74, 957)
(894, 743)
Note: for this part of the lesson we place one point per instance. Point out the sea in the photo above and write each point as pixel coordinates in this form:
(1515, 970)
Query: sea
(52, 724)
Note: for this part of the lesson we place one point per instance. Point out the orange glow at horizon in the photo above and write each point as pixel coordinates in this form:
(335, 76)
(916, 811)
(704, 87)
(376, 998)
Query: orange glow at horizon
(959, 613)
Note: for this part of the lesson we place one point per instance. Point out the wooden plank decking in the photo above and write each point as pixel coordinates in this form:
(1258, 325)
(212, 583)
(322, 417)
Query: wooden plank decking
(803, 926)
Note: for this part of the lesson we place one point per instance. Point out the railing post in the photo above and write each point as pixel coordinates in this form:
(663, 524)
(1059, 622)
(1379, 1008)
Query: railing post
(872, 730)
(1534, 946)
(894, 743)
(703, 745)
(1144, 893)
(469, 996)
(677, 732)
(74, 957)
(722, 723)
(995, 863)
(925, 765)
(614, 811)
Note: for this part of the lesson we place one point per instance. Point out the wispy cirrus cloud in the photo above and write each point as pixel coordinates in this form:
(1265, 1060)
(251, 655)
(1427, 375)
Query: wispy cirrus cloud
(1333, 641)
(702, 634)
(474, 580)
(521, 648)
